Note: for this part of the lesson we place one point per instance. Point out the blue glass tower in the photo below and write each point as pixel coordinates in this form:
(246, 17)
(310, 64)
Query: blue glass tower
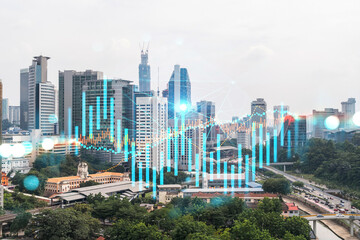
(179, 90)
(144, 73)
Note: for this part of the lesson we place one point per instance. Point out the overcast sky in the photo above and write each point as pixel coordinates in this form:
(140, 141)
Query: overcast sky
(305, 54)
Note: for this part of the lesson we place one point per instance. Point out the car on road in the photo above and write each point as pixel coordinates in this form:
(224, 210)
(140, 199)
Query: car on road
(319, 215)
(336, 209)
(342, 201)
(346, 209)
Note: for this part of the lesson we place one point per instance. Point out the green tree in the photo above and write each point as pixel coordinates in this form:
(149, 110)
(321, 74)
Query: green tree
(298, 184)
(20, 222)
(277, 185)
(298, 226)
(246, 230)
(62, 224)
(270, 205)
(186, 225)
(125, 230)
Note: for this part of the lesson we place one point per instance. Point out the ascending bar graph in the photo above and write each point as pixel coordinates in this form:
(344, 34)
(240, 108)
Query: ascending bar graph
(204, 155)
(91, 122)
(161, 168)
(212, 166)
(218, 156)
(168, 163)
(275, 145)
(97, 113)
(105, 99)
(289, 144)
(147, 159)
(232, 178)
(296, 133)
(118, 135)
(76, 139)
(133, 160)
(83, 132)
(182, 134)
(154, 183)
(140, 176)
(261, 146)
(246, 170)
(176, 151)
(225, 177)
(126, 144)
(197, 170)
(253, 152)
(190, 155)
(111, 119)
(239, 164)
(267, 149)
(282, 126)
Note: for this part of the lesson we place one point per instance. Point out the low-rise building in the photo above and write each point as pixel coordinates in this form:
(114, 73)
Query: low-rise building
(290, 210)
(169, 191)
(15, 164)
(248, 198)
(65, 184)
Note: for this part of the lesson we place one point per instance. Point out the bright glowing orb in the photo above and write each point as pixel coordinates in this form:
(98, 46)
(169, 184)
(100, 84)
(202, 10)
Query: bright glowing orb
(48, 144)
(18, 150)
(332, 122)
(356, 119)
(183, 107)
(31, 182)
(5, 150)
(53, 119)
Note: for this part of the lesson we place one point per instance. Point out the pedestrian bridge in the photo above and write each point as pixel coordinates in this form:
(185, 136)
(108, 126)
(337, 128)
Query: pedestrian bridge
(319, 217)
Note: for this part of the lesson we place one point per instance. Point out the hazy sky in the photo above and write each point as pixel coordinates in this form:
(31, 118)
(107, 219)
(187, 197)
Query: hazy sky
(305, 54)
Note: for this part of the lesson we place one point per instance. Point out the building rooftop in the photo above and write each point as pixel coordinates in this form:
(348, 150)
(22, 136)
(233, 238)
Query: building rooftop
(169, 186)
(73, 178)
(222, 190)
(124, 188)
(292, 207)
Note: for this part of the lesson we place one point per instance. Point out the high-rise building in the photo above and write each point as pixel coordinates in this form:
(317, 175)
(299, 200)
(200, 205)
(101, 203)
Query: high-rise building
(235, 119)
(14, 115)
(70, 98)
(318, 121)
(180, 141)
(295, 127)
(280, 112)
(5, 109)
(348, 109)
(179, 91)
(144, 73)
(41, 97)
(24, 98)
(243, 138)
(206, 110)
(104, 124)
(1, 95)
(258, 112)
(151, 130)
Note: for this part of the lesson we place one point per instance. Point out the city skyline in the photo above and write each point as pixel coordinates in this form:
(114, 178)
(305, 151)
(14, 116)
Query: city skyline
(303, 49)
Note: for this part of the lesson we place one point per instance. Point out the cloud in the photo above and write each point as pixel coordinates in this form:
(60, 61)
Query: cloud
(258, 53)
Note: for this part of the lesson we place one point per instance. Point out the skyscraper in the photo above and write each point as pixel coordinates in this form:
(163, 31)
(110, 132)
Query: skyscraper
(206, 110)
(104, 93)
(70, 98)
(24, 98)
(280, 112)
(179, 91)
(348, 108)
(151, 130)
(319, 118)
(41, 92)
(258, 112)
(1, 95)
(144, 73)
(14, 115)
(5, 109)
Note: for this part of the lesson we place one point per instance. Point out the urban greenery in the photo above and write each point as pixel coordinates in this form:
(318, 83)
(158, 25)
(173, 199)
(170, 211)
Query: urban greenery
(184, 218)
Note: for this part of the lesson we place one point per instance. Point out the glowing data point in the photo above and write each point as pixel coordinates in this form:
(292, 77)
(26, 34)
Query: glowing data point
(356, 119)
(332, 122)
(48, 144)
